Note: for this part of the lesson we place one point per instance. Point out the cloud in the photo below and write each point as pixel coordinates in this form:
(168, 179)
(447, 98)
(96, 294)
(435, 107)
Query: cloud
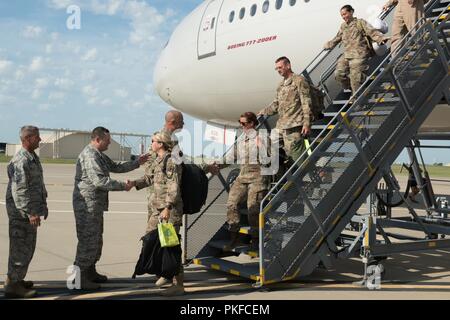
(91, 55)
(56, 96)
(36, 64)
(32, 32)
(146, 20)
(41, 83)
(63, 83)
(90, 91)
(5, 65)
(36, 94)
(121, 93)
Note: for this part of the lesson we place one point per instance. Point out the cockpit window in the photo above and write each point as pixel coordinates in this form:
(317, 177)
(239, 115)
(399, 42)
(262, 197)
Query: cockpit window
(253, 10)
(242, 13)
(292, 2)
(232, 16)
(278, 4)
(265, 6)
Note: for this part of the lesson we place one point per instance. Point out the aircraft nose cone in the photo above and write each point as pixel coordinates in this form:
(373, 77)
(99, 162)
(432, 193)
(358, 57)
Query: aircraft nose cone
(160, 78)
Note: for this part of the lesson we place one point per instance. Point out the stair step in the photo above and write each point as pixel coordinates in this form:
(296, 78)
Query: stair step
(244, 249)
(249, 271)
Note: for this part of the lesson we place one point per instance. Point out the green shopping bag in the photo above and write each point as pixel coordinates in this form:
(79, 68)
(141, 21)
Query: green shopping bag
(167, 235)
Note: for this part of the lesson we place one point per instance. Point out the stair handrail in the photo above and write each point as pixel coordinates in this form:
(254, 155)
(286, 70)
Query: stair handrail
(358, 94)
(338, 117)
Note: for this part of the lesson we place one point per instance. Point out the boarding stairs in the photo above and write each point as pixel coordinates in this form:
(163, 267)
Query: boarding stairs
(305, 212)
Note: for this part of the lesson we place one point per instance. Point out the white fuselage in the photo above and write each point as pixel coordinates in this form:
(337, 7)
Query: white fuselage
(215, 70)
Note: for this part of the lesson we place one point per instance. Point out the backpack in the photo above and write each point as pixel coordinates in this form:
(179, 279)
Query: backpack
(367, 37)
(194, 187)
(317, 98)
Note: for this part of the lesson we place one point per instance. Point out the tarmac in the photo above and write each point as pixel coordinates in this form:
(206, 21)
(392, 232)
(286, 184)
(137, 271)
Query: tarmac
(424, 275)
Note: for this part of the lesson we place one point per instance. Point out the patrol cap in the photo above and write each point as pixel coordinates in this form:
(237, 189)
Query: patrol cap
(163, 137)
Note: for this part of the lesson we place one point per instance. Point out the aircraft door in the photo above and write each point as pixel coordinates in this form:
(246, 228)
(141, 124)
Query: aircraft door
(206, 45)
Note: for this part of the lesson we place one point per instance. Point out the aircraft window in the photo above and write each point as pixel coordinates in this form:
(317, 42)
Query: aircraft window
(231, 16)
(292, 2)
(213, 22)
(265, 6)
(278, 4)
(253, 10)
(242, 13)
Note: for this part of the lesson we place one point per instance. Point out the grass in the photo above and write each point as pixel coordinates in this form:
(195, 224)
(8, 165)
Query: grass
(434, 171)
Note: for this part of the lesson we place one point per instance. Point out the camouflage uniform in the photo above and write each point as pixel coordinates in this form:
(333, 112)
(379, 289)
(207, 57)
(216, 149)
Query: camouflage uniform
(293, 104)
(90, 200)
(25, 196)
(351, 68)
(250, 184)
(165, 179)
(405, 18)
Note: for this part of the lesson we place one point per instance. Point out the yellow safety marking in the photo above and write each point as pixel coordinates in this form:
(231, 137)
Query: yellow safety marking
(331, 126)
(370, 113)
(336, 220)
(345, 118)
(197, 261)
(253, 254)
(371, 170)
(266, 209)
(261, 221)
(392, 146)
(319, 242)
(379, 100)
(235, 272)
(287, 186)
(271, 281)
(262, 273)
(357, 193)
(244, 231)
(424, 65)
(391, 87)
(215, 267)
(432, 244)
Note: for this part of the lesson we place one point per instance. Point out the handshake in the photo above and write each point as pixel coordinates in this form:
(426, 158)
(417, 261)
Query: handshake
(129, 185)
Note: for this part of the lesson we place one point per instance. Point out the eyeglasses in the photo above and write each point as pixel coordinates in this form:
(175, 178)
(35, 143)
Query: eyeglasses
(243, 123)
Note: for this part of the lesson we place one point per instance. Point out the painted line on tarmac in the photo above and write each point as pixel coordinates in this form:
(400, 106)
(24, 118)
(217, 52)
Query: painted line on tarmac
(1, 202)
(110, 202)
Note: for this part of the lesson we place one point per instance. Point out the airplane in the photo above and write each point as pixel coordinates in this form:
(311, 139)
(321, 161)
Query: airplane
(219, 61)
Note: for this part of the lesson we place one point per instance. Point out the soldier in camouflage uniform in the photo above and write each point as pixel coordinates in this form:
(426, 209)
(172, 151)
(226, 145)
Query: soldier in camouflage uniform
(251, 184)
(293, 104)
(90, 201)
(165, 202)
(407, 14)
(26, 203)
(351, 68)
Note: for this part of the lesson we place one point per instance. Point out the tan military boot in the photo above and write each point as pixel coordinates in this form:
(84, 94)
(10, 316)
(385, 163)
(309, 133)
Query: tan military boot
(161, 282)
(234, 241)
(86, 283)
(15, 289)
(177, 288)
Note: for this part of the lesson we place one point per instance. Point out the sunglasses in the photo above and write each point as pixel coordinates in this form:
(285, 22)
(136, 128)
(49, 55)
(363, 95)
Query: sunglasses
(243, 123)
(156, 141)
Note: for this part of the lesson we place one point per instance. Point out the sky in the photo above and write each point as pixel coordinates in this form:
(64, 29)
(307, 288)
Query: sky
(53, 76)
